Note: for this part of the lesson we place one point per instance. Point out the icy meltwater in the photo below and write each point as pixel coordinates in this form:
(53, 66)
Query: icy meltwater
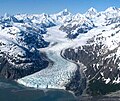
(58, 74)
(12, 91)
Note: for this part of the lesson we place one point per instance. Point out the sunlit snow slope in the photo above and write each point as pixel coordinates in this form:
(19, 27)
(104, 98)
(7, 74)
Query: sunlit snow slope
(58, 74)
(75, 44)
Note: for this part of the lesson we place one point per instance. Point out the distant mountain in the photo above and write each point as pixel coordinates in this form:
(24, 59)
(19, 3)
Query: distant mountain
(82, 23)
(32, 48)
(91, 13)
(78, 25)
(43, 20)
(100, 54)
(62, 17)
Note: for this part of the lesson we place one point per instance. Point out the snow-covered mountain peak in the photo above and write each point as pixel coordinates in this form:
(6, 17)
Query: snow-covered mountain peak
(79, 24)
(91, 13)
(6, 15)
(78, 15)
(93, 10)
(62, 17)
(95, 44)
(44, 15)
(64, 12)
(112, 9)
(8, 18)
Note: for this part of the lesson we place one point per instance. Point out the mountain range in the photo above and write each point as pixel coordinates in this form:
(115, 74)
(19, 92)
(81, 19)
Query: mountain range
(76, 52)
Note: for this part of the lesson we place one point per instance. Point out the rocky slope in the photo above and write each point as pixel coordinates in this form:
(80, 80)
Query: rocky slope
(100, 56)
(78, 25)
(89, 42)
(19, 42)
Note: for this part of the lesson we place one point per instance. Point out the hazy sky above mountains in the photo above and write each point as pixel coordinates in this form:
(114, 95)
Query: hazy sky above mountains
(53, 6)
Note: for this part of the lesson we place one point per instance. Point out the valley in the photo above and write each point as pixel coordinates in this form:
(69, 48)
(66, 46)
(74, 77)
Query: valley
(65, 51)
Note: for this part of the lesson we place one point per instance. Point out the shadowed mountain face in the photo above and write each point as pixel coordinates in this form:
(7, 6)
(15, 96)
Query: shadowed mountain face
(90, 39)
(78, 25)
(101, 61)
(14, 68)
(19, 44)
(100, 52)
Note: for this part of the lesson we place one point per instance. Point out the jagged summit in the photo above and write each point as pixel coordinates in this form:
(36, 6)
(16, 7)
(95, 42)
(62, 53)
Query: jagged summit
(45, 15)
(6, 15)
(112, 9)
(64, 12)
(91, 13)
(92, 10)
(8, 18)
(62, 17)
(90, 39)
(78, 16)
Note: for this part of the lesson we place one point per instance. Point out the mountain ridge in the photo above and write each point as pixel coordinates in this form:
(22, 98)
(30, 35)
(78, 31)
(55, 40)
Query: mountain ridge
(29, 41)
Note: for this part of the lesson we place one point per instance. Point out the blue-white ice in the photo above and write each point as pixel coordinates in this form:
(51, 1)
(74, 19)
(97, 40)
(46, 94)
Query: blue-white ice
(52, 77)
(57, 75)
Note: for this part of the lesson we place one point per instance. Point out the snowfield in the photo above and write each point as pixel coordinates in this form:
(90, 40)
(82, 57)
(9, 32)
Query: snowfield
(91, 30)
(60, 73)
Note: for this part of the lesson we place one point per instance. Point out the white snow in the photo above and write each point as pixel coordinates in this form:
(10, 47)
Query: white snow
(102, 73)
(58, 75)
(62, 17)
(107, 80)
(117, 80)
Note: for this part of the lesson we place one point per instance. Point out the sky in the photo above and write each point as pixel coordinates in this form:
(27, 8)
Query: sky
(53, 6)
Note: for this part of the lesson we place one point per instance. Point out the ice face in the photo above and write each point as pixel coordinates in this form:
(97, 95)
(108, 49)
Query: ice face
(56, 75)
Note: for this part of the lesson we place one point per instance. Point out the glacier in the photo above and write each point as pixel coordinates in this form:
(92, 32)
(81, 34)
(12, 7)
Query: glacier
(62, 31)
(58, 74)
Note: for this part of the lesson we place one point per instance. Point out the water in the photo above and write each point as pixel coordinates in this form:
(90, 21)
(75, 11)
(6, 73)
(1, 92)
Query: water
(12, 91)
